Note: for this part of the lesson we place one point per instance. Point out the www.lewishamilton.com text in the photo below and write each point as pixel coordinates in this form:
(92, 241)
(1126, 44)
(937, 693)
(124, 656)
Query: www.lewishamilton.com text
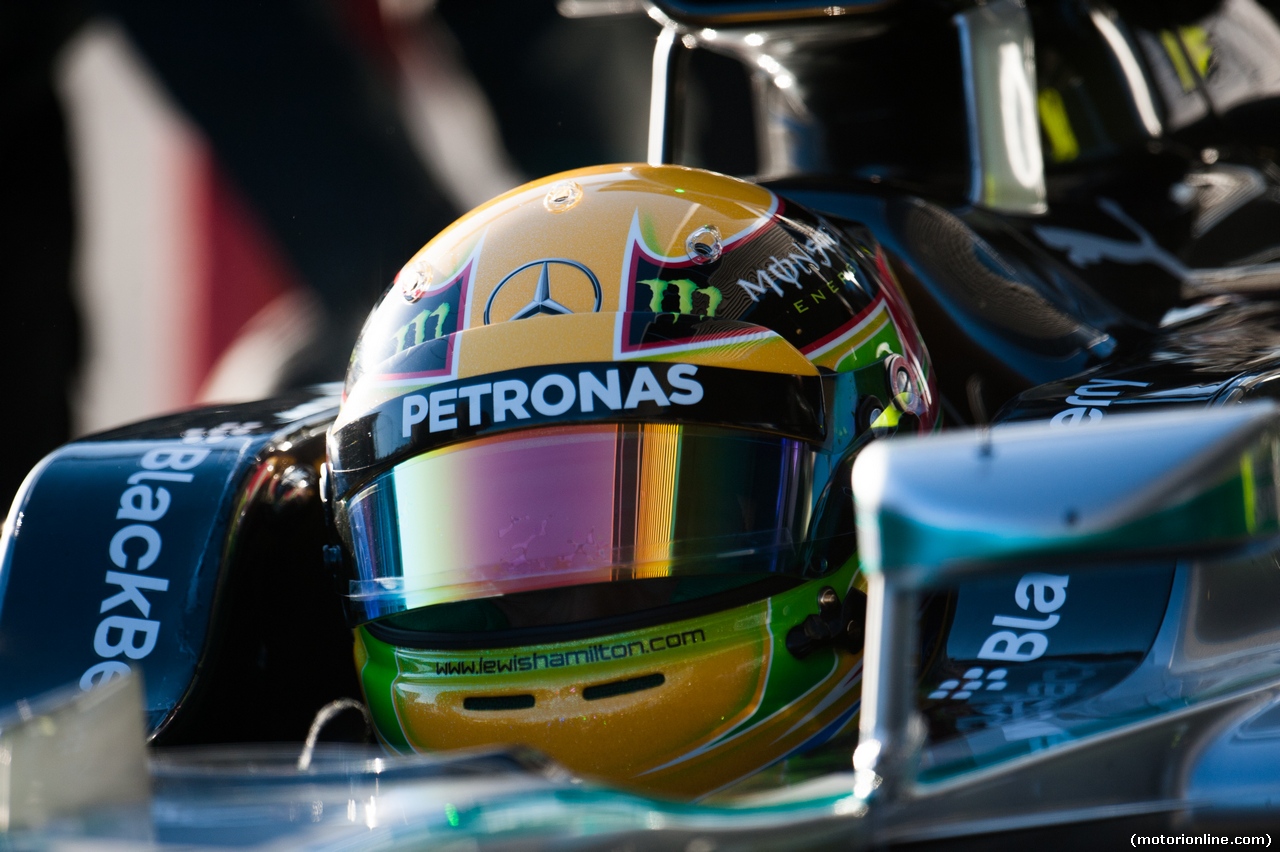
(576, 657)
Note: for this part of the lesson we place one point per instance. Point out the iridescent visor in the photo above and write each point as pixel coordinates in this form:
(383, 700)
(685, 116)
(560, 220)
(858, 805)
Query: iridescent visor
(574, 505)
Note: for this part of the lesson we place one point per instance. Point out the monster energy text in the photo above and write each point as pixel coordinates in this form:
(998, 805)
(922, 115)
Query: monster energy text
(789, 268)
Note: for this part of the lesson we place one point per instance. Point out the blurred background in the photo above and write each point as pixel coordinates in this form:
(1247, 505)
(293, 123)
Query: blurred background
(202, 200)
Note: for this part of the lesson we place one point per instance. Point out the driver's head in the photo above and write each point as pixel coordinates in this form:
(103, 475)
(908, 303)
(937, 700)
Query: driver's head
(591, 476)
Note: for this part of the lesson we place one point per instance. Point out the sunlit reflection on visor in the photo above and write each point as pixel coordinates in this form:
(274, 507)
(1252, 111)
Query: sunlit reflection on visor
(564, 506)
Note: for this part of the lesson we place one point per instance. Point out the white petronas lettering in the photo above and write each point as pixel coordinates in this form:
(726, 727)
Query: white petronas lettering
(591, 389)
(551, 395)
(645, 388)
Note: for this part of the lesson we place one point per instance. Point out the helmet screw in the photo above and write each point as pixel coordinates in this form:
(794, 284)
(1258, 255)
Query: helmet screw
(901, 380)
(703, 245)
(414, 280)
(903, 385)
(827, 598)
(562, 197)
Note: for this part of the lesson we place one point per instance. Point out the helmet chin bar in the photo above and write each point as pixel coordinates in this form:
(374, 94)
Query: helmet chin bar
(978, 503)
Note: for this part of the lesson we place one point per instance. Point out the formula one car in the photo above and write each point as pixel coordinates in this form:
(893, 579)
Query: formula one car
(662, 508)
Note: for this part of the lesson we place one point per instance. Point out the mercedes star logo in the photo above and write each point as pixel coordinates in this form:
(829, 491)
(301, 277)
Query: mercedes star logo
(542, 303)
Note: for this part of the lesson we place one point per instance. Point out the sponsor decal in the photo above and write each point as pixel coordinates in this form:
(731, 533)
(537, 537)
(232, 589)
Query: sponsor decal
(586, 392)
(789, 275)
(973, 680)
(596, 653)
(126, 631)
(684, 292)
(1091, 399)
(819, 250)
(1019, 710)
(1046, 593)
(569, 273)
(223, 431)
(438, 314)
(551, 396)
(1084, 248)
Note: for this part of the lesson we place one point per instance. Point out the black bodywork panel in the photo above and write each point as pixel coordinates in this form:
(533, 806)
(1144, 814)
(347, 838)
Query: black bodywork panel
(230, 614)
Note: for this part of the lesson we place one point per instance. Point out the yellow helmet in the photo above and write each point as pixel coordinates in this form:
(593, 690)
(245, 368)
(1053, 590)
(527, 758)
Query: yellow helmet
(591, 476)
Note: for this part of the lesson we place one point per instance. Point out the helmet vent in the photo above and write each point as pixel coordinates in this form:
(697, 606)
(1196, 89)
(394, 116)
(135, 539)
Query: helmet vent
(497, 702)
(623, 687)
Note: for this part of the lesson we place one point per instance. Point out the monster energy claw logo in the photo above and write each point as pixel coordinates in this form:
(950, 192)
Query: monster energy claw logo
(685, 289)
(438, 314)
(415, 331)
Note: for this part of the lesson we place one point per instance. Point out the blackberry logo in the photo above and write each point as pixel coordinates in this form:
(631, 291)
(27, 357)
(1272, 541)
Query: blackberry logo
(973, 682)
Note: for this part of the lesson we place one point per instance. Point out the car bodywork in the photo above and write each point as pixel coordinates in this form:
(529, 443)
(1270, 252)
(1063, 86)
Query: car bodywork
(1097, 557)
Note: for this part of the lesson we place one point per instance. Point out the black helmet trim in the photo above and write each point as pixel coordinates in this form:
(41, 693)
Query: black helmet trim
(602, 608)
(628, 391)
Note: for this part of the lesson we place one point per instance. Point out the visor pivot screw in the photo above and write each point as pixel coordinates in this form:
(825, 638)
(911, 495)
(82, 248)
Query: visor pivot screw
(901, 380)
(827, 598)
(903, 384)
(562, 197)
(703, 245)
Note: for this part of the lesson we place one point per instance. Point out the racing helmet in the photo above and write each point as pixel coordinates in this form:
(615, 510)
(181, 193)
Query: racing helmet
(591, 476)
